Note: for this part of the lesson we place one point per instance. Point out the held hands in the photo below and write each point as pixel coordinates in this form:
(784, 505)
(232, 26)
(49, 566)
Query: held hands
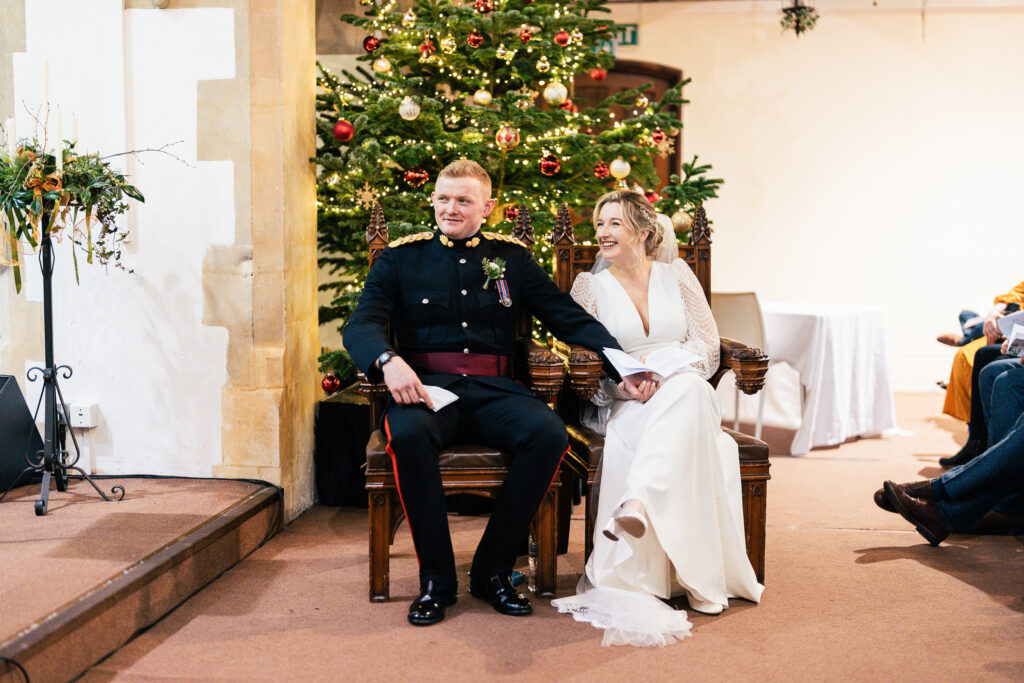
(640, 386)
(991, 328)
(404, 384)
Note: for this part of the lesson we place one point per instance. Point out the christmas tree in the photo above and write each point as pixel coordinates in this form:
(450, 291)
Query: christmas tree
(491, 81)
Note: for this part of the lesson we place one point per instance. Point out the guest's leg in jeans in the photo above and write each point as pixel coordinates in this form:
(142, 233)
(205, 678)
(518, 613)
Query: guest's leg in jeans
(970, 332)
(966, 493)
(1003, 380)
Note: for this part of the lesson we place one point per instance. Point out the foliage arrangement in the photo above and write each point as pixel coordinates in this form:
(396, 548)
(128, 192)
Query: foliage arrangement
(81, 200)
(493, 81)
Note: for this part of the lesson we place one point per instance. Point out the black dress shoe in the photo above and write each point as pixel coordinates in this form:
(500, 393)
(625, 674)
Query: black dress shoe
(428, 608)
(498, 591)
(917, 489)
(971, 450)
(923, 514)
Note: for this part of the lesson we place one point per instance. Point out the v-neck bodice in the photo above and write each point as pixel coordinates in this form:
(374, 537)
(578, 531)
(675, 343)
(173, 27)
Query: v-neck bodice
(665, 310)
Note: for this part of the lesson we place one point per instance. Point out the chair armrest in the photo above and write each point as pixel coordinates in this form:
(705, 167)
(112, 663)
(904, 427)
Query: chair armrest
(545, 369)
(748, 364)
(585, 368)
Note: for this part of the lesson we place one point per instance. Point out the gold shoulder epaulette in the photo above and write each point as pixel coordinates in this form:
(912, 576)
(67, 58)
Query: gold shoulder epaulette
(502, 237)
(409, 239)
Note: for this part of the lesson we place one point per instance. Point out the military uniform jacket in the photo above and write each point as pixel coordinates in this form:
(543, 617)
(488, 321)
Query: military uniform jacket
(434, 297)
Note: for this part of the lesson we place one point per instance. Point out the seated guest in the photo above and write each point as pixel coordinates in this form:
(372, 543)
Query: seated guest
(986, 494)
(969, 361)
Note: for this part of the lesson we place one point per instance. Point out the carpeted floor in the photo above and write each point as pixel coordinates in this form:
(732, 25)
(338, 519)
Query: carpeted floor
(852, 593)
(83, 540)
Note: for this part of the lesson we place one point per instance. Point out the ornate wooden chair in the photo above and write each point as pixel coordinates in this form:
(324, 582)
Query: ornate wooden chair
(465, 468)
(586, 446)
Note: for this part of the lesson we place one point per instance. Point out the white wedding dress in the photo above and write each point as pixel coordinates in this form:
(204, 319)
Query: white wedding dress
(671, 454)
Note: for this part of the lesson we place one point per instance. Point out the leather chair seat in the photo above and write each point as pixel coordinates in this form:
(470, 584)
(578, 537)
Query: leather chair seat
(589, 445)
(465, 456)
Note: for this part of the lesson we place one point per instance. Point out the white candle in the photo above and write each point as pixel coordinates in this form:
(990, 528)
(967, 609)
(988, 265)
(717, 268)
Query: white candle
(74, 129)
(12, 138)
(58, 143)
(46, 85)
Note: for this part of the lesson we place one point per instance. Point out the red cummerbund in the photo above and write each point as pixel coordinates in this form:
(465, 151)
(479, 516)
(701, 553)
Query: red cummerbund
(461, 363)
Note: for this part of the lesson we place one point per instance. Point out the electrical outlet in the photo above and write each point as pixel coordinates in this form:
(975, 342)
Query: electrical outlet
(83, 416)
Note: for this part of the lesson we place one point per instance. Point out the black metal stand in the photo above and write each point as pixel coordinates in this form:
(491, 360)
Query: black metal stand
(54, 461)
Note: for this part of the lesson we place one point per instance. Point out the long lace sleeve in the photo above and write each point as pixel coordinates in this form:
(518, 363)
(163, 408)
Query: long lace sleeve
(701, 330)
(583, 293)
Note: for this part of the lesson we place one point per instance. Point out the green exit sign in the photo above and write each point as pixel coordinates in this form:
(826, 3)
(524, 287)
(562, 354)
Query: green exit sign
(624, 36)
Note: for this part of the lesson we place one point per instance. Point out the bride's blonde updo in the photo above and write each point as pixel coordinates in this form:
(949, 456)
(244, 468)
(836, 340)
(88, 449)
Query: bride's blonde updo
(637, 214)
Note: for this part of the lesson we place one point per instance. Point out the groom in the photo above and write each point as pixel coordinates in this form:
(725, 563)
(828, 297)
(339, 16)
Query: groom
(452, 332)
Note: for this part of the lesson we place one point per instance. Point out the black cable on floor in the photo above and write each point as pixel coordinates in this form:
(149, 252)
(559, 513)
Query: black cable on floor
(19, 667)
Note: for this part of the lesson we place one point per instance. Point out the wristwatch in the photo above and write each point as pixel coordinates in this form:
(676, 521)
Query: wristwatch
(384, 358)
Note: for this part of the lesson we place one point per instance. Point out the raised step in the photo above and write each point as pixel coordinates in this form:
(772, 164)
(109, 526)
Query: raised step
(81, 581)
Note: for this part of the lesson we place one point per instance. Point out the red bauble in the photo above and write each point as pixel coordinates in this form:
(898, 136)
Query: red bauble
(652, 196)
(658, 135)
(511, 213)
(483, 6)
(525, 35)
(416, 176)
(601, 170)
(598, 74)
(330, 384)
(371, 43)
(475, 39)
(343, 130)
(527, 2)
(569, 105)
(549, 165)
(561, 37)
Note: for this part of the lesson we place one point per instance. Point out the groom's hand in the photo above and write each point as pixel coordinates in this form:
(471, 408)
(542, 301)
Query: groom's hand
(404, 384)
(640, 386)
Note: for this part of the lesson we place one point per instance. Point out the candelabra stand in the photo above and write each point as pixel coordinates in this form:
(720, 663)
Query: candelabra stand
(54, 461)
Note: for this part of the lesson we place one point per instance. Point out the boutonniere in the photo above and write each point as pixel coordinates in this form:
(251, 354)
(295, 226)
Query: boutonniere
(495, 271)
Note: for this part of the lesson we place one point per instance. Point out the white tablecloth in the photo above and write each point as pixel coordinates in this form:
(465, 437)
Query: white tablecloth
(840, 354)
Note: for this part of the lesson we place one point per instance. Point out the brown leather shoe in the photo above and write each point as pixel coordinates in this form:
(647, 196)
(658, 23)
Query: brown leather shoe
(949, 339)
(917, 489)
(923, 514)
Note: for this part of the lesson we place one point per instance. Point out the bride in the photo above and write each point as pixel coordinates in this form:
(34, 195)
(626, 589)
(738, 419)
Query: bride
(670, 514)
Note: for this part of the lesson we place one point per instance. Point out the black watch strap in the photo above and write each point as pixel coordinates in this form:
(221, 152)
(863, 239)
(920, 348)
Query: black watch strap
(384, 358)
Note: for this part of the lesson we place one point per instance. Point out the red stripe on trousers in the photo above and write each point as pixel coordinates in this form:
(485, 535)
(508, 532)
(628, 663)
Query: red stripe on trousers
(398, 486)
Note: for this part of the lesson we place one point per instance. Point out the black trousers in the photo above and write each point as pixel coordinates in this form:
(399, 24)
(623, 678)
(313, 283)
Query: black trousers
(977, 428)
(509, 420)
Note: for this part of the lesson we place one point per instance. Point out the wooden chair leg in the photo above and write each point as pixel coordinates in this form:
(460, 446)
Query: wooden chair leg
(755, 521)
(564, 510)
(546, 536)
(397, 515)
(588, 526)
(380, 551)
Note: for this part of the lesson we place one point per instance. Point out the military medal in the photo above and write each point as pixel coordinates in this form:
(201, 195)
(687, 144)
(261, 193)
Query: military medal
(495, 270)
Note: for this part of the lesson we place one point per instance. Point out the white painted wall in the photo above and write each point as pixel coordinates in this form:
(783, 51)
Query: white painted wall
(136, 341)
(875, 160)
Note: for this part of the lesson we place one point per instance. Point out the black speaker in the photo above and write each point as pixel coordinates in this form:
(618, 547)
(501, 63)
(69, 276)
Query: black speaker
(18, 434)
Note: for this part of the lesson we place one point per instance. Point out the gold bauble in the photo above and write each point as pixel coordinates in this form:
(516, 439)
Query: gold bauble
(681, 221)
(482, 97)
(448, 44)
(543, 64)
(555, 93)
(577, 36)
(642, 101)
(381, 65)
(620, 168)
(507, 137)
(409, 19)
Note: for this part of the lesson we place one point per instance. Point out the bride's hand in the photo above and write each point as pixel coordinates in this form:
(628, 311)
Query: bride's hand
(639, 387)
